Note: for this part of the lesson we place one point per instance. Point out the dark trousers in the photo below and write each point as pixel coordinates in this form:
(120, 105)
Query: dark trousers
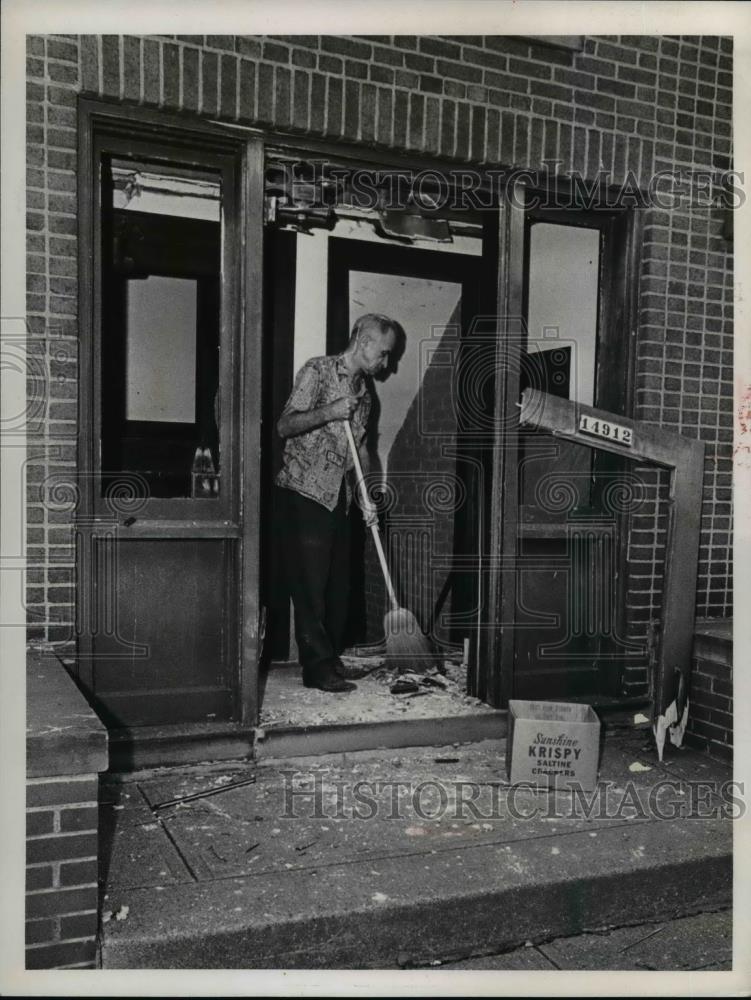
(315, 549)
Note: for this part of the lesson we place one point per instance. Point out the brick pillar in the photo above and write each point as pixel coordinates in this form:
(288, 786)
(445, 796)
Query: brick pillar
(710, 715)
(66, 750)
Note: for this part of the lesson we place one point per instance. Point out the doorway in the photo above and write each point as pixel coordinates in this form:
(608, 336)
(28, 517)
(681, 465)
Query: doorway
(196, 318)
(322, 274)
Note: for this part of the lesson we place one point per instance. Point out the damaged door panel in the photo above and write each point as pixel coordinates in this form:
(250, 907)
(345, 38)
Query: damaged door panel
(684, 459)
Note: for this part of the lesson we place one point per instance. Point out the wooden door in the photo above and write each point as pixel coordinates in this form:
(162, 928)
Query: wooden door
(568, 630)
(168, 525)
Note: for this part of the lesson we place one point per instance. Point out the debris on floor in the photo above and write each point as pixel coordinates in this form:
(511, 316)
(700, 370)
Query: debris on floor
(223, 784)
(382, 695)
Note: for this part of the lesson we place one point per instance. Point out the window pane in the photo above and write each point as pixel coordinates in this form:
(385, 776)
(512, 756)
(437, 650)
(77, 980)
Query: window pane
(161, 368)
(161, 279)
(562, 318)
(562, 311)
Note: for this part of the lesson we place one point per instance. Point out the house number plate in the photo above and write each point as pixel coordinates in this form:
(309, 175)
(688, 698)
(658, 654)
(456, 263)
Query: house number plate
(606, 429)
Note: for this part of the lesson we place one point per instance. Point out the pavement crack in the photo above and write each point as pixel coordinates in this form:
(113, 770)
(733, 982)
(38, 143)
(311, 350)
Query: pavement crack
(547, 958)
(188, 867)
(175, 844)
(645, 938)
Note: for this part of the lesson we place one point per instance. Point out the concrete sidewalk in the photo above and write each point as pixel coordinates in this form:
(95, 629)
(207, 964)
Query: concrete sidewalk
(406, 858)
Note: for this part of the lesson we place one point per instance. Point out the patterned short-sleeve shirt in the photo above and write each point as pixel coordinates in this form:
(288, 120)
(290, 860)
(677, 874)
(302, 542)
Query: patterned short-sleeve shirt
(315, 462)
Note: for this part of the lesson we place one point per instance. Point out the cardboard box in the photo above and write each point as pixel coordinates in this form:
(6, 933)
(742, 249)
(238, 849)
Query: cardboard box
(552, 743)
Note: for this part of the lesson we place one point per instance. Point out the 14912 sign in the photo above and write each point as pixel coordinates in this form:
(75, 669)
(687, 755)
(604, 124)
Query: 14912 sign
(606, 429)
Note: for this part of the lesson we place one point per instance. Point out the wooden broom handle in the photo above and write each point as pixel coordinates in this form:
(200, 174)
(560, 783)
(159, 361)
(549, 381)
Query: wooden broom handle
(369, 507)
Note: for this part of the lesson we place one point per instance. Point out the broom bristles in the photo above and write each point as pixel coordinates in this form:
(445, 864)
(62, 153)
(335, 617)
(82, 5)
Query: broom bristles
(407, 647)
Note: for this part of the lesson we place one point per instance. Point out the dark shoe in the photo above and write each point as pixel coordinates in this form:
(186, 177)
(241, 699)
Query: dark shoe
(326, 680)
(353, 672)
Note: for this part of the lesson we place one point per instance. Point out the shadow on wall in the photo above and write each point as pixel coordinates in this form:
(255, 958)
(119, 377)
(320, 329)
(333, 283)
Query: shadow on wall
(422, 499)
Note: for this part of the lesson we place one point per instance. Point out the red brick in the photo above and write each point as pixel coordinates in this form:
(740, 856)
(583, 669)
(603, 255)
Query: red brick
(68, 791)
(303, 58)
(420, 63)
(504, 81)
(382, 54)
(282, 96)
(247, 46)
(416, 120)
(617, 53)
(318, 106)
(150, 56)
(275, 53)
(61, 72)
(248, 89)
(448, 128)
(170, 75)
(439, 47)
(58, 901)
(41, 931)
(209, 81)
(39, 877)
(228, 94)
(111, 65)
(523, 67)
(76, 873)
(90, 63)
(300, 102)
(58, 848)
(334, 89)
(38, 823)
(79, 926)
(346, 47)
(331, 64)
(226, 42)
(351, 109)
(56, 955)
(75, 819)
(35, 45)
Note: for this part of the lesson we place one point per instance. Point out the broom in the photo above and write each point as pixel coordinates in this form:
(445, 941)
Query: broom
(407, 648)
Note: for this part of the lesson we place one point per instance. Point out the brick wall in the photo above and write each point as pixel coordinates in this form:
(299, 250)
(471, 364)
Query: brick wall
(710, 718)
(61, 874)
(635, 104)
(66, 749)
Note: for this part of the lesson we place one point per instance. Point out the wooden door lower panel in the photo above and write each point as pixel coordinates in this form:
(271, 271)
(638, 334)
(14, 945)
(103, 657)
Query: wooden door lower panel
(165, 646)
(565, 616)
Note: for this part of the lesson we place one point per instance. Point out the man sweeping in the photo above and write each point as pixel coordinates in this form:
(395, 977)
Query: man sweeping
(316, 491)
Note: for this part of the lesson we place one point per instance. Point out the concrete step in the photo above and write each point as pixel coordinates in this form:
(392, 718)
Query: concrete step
(233, 880)
(702, 943)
